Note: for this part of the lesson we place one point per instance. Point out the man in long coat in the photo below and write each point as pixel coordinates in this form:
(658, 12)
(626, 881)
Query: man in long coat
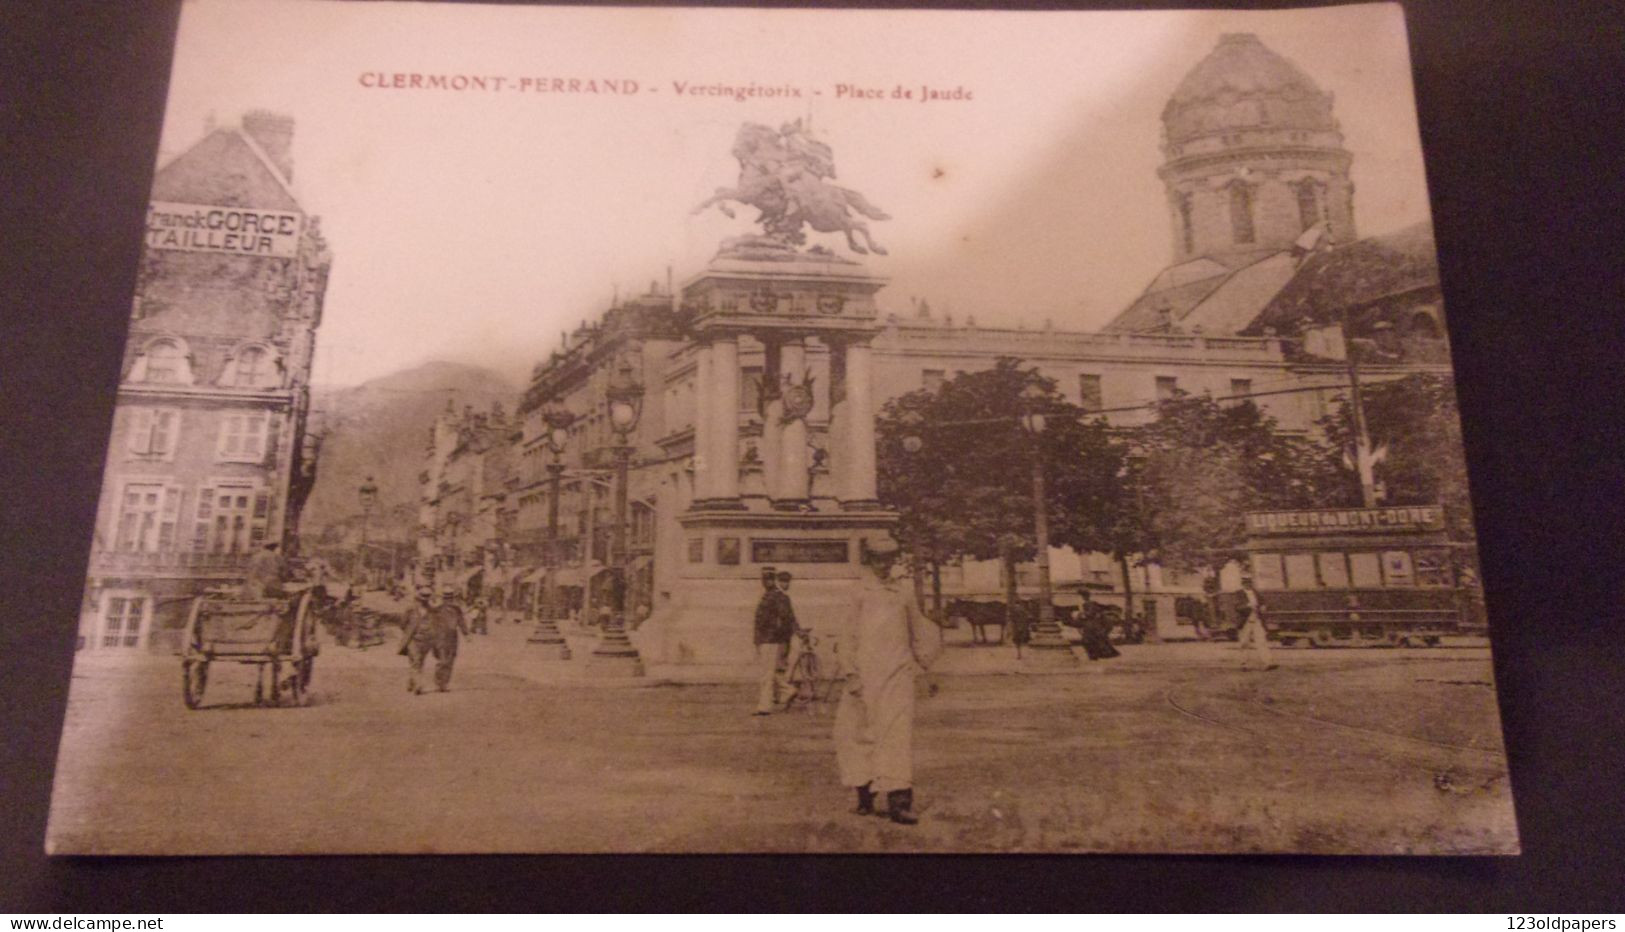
(881, 644)
(775, 626)
(1253, 639)
(432, 627)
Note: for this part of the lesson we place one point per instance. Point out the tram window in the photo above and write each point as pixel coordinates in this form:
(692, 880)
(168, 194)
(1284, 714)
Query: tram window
(1432, 568)
(1267, 571)
(1334, 570)
(1365, 571)
(1300, 571)
(1396, 568)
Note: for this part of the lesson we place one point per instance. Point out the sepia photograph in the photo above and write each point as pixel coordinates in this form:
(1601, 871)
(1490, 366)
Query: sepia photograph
(578, 430)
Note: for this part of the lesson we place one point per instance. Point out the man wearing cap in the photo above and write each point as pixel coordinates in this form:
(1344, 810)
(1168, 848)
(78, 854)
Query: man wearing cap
(1253, 639)
(881, 644)
(432, 627)
(775, 625)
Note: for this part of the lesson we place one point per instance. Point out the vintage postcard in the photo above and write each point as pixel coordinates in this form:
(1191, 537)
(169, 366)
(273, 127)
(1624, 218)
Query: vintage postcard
(609, 429)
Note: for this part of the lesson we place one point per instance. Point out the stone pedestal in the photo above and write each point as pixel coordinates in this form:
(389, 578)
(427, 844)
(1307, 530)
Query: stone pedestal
(781, 301)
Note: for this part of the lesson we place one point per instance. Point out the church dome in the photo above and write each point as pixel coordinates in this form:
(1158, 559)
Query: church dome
(1242, 85)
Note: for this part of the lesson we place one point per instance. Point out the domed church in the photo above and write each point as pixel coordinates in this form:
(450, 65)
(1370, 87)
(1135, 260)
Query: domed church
(1257, 181)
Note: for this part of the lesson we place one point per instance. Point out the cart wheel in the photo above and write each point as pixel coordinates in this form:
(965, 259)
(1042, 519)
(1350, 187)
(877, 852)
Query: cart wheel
(296, 685)
(194, 679)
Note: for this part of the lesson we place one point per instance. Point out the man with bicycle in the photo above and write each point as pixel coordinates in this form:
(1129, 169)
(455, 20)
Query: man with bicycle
(775, 628)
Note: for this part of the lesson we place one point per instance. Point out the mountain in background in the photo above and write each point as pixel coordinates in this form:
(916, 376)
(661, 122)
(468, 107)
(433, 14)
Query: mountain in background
(380, 428)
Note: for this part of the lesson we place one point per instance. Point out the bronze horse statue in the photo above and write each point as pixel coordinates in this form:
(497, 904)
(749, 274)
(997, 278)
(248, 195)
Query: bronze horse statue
(784, 174)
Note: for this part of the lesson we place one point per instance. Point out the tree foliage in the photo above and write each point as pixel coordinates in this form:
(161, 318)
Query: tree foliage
(1417, 420)
(1201, 466)
(968, 491)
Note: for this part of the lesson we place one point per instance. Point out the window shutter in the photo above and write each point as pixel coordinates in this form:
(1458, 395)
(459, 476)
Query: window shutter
(205, 514)
(140, 427)
(169, 519)
(254, 435)
(262, 518)
(162, 438)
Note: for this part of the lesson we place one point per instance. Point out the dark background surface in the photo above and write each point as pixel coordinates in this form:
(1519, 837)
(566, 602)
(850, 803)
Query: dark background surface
(1522, 123)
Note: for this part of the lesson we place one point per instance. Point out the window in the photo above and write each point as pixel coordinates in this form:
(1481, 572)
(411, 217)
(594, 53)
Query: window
(1396, 568)
(231, 518)
(1089, 394)
(1334, 570)
(1267, 571)
(1365, 571)
(1300, 571)
(1241, 212)
(166, 362)
(147, 516)
(1186, 232)
(121, 622)
(696, 550)
(931, 379)
(1311, 202)
(1241, 387)
(153, 431)
(242, 436)
(1432, 568)
(1167, 387)
(252, 368)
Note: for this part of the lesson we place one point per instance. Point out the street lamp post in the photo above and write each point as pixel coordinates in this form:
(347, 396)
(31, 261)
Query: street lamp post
(615, 654)
(547, 632)
(912, 444)
(369, 499)
(1048, 645)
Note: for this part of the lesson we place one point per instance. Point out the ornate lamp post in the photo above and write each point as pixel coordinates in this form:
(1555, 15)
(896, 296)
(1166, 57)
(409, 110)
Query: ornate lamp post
(547, 632)
(615, 653)
(1048, 643)
(368, 493)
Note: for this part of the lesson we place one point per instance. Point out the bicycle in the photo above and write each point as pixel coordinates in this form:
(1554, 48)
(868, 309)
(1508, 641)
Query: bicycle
(808, 686)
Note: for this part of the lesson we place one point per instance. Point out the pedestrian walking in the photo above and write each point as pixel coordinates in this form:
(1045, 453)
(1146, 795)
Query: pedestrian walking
(432, 627)
(1253, 639)
(881, 645)
(775, 627)
(478, 617)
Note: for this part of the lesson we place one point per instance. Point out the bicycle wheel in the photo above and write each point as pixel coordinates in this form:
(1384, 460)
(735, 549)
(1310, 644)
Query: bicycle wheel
(803, 681)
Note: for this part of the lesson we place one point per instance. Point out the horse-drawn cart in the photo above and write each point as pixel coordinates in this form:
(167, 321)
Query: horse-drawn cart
(278, 635)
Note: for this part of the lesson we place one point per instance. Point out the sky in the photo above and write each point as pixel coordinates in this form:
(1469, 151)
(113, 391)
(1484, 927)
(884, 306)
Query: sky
(476, 225)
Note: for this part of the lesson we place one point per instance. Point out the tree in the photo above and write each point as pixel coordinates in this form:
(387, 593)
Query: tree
(1202, 466)
(1417, 420)
(968, 491)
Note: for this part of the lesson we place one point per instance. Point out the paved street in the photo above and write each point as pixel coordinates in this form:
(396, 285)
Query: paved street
(1168, 748)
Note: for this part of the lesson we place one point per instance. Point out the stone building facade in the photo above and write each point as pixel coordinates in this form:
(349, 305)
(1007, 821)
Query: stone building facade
(209, 458)
(466, 510)
(1261, 208)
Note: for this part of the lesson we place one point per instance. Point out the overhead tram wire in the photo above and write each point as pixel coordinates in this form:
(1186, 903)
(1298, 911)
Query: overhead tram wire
(1151, 405)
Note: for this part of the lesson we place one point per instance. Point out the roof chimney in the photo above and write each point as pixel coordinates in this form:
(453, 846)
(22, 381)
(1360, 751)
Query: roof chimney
(274, 133)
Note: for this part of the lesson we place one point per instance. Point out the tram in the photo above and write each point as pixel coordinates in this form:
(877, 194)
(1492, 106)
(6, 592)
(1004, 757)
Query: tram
(1359, 577)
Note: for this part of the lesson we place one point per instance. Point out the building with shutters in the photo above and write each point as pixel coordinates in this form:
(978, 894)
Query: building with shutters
(210, 457)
